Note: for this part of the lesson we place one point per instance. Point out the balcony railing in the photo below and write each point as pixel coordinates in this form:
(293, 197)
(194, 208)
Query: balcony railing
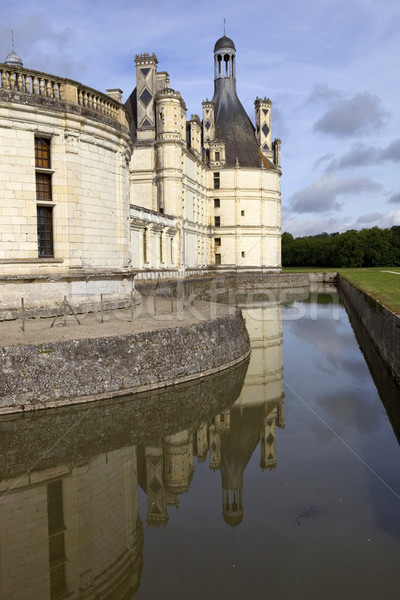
(42, 85)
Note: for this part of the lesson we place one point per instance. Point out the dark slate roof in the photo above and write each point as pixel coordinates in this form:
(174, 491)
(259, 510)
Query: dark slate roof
(224, 42)
(131, 106)
(233, 126)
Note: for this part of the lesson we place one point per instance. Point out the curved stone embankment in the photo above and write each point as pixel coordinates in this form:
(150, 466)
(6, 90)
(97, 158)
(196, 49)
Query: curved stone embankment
(382, 325)
(79, 370)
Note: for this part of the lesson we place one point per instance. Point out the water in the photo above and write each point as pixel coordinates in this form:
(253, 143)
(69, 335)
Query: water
(276, 480)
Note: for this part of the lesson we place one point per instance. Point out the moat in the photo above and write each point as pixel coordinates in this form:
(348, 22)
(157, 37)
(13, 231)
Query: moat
(277, 479)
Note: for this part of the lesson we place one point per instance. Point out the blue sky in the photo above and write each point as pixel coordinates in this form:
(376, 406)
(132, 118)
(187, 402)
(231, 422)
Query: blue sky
(331, 69)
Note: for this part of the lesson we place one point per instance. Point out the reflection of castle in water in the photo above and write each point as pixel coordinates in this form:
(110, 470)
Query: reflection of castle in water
(69, 514)
(72, 529)
(71, 525)
(165, 470)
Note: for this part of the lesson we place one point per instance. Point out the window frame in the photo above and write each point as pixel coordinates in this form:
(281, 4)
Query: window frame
(44, 197)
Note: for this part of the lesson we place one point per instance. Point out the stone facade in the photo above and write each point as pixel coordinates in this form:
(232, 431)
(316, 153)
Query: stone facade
(218, 180)
(92, 186)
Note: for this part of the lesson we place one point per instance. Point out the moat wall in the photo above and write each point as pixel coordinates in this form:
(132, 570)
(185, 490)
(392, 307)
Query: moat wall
(381, 325)
(210, 287)
(80, 370)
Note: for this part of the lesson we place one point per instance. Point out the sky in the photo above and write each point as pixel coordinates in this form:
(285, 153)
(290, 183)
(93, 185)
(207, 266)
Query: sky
(330, 67)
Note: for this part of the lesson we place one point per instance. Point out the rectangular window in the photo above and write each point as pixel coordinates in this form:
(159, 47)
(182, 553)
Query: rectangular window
(217, 221)
(243, 254)
(144, 245)
(242, 213)
(217, 259)
(216, 181)
(161, 248)
(217, 241)
(42, 153)
(45, 231)
(217, 203)
(44, 214)
(217, 156)
(43, 186)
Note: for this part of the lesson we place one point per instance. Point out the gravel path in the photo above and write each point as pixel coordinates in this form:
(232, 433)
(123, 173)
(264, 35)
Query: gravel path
(117, 322)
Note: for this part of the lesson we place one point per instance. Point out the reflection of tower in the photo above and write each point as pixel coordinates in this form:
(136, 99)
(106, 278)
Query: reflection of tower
(164, 472)
(178, 462)
(201, 442)
(273, 417)
(156, 498)
(237, 447)
(264, 379)
(215, 447)
(259, 409)
(222, 421)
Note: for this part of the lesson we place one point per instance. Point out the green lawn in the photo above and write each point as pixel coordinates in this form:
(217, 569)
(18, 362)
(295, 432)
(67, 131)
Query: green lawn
(383, 286)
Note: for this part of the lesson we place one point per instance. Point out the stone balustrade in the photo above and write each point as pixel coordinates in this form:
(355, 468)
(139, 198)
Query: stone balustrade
(42, 85)
(31, 82)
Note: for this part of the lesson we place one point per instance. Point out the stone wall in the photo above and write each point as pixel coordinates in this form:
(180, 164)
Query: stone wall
(213, 286)
(89, 152)
(382, 326)
(43, 294)
(51, 374)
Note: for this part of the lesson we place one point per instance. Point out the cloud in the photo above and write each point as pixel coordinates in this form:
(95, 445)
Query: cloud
(351, 115)
(323, 93)
(394, 198)
(299, 226)
(322, 196)
(370, 218)
(392, 152)
(362, 155)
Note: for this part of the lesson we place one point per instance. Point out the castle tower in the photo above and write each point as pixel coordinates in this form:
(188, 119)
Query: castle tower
(146, 88)
(208, 123)
(244, 173)
(263, 126)
(171, 136)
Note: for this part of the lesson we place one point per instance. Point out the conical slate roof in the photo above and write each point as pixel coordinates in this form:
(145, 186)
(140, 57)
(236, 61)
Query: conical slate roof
(239, 443)
(233, 126)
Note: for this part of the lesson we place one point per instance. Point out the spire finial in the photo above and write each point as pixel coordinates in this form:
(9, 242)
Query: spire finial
(12, 38)
(224, 25)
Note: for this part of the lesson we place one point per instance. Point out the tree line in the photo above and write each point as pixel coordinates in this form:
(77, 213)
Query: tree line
(373, 247)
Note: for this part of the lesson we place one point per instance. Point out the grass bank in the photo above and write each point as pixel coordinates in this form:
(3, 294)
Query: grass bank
(383, 283)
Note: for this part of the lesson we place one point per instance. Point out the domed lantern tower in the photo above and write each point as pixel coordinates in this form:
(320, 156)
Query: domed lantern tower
(224, 59)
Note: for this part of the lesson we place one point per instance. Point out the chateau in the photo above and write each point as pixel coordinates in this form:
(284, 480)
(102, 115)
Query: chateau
(96, 192)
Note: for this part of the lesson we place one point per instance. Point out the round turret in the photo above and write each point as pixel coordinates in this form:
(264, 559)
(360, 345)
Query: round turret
(13, 59)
